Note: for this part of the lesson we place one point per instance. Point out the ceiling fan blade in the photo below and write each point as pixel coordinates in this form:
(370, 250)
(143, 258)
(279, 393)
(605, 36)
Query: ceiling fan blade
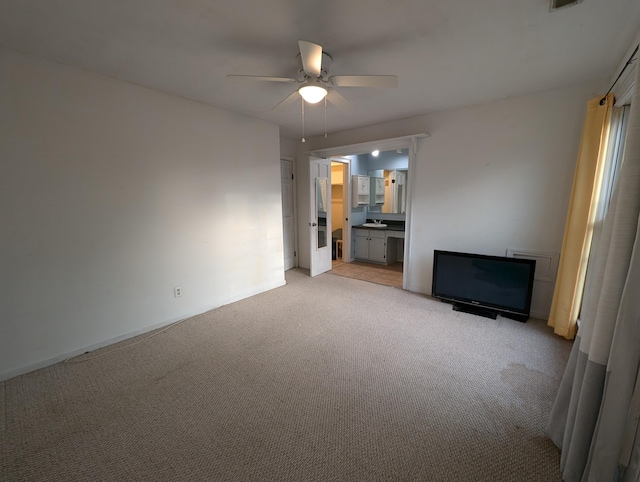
(311, 55)
(341, 102)
(262, 78)
(364, 80)
(293, 96)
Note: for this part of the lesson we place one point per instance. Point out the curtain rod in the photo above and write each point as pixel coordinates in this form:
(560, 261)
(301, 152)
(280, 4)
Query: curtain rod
(631, 59)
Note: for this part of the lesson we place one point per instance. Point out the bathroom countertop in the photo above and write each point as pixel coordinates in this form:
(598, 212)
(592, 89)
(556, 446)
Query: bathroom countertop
(390, 226)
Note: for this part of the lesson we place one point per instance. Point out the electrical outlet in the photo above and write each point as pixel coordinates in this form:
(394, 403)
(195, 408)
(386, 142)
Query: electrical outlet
(177, 291)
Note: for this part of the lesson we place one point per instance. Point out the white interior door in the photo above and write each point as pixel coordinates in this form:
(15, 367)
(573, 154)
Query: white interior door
(320, 215)
(288, 233)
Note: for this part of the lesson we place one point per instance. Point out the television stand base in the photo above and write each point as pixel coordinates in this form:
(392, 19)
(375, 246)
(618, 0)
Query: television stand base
(475, 310)
(520, 318)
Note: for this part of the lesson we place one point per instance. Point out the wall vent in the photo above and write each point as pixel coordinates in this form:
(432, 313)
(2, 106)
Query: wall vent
(556, 4)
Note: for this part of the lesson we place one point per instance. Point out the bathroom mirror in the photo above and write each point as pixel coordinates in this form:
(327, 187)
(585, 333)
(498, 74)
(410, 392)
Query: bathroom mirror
(321, 210)
(395, 190)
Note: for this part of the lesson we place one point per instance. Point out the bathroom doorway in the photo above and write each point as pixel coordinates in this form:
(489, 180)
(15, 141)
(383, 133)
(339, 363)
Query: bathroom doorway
(344, 262)
(339, 210)
(398, 218)
(378, 254)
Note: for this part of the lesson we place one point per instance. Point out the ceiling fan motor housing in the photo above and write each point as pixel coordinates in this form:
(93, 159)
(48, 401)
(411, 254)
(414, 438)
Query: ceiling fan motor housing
(324, 69)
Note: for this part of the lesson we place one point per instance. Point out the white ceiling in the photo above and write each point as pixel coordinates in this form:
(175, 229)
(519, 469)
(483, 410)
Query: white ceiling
(446, 53)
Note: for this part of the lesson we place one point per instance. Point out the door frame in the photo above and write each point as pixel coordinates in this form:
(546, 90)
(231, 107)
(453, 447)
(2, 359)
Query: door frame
(410, 142)
(346, 200)
(294, 182)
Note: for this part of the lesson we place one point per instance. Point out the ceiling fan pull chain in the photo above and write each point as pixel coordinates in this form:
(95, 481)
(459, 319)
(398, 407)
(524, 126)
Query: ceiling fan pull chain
(302, 100)
(325, 116)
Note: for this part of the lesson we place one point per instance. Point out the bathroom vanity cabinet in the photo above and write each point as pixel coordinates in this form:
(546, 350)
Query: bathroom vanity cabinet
(371, 245)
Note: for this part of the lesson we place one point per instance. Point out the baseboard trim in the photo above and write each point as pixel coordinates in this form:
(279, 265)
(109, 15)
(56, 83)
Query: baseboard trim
(95, 346)
(539, 315)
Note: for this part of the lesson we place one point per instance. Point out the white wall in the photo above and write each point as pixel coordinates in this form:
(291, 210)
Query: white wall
(288, 148)
(496, 176)
(489, 177)
(110, 196)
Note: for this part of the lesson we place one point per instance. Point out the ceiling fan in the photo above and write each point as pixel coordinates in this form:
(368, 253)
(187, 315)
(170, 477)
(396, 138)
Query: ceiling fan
(314, 80)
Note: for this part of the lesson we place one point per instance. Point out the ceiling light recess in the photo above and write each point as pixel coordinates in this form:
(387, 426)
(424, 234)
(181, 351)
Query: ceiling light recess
(556, 4)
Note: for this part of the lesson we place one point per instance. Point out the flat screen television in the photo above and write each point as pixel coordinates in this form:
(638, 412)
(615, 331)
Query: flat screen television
(484, 285)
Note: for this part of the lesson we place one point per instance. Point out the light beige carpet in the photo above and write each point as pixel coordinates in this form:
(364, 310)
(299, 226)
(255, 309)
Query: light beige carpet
(325, 379)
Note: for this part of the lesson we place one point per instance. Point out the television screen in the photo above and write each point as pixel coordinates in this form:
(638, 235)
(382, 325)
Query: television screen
(494, 283)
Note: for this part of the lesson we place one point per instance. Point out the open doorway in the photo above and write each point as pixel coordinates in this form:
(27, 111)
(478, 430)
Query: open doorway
(378, 215)
(339, 210)
(287, 187)
(361, 214)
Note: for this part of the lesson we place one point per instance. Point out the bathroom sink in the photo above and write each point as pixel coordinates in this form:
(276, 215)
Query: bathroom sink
(374, 225)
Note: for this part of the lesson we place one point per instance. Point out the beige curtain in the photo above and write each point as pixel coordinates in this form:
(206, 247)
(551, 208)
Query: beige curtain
(595, 418)
(585, 193)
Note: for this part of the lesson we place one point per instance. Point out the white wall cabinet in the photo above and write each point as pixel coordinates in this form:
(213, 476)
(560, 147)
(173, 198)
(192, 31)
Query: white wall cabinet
(361, 190)
(377, 190)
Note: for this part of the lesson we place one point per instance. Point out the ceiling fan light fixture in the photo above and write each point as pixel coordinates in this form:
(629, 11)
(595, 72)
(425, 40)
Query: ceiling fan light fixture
(312, 92)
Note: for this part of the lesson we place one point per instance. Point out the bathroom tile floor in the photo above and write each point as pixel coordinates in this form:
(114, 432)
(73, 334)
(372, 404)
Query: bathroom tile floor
(390, 275)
